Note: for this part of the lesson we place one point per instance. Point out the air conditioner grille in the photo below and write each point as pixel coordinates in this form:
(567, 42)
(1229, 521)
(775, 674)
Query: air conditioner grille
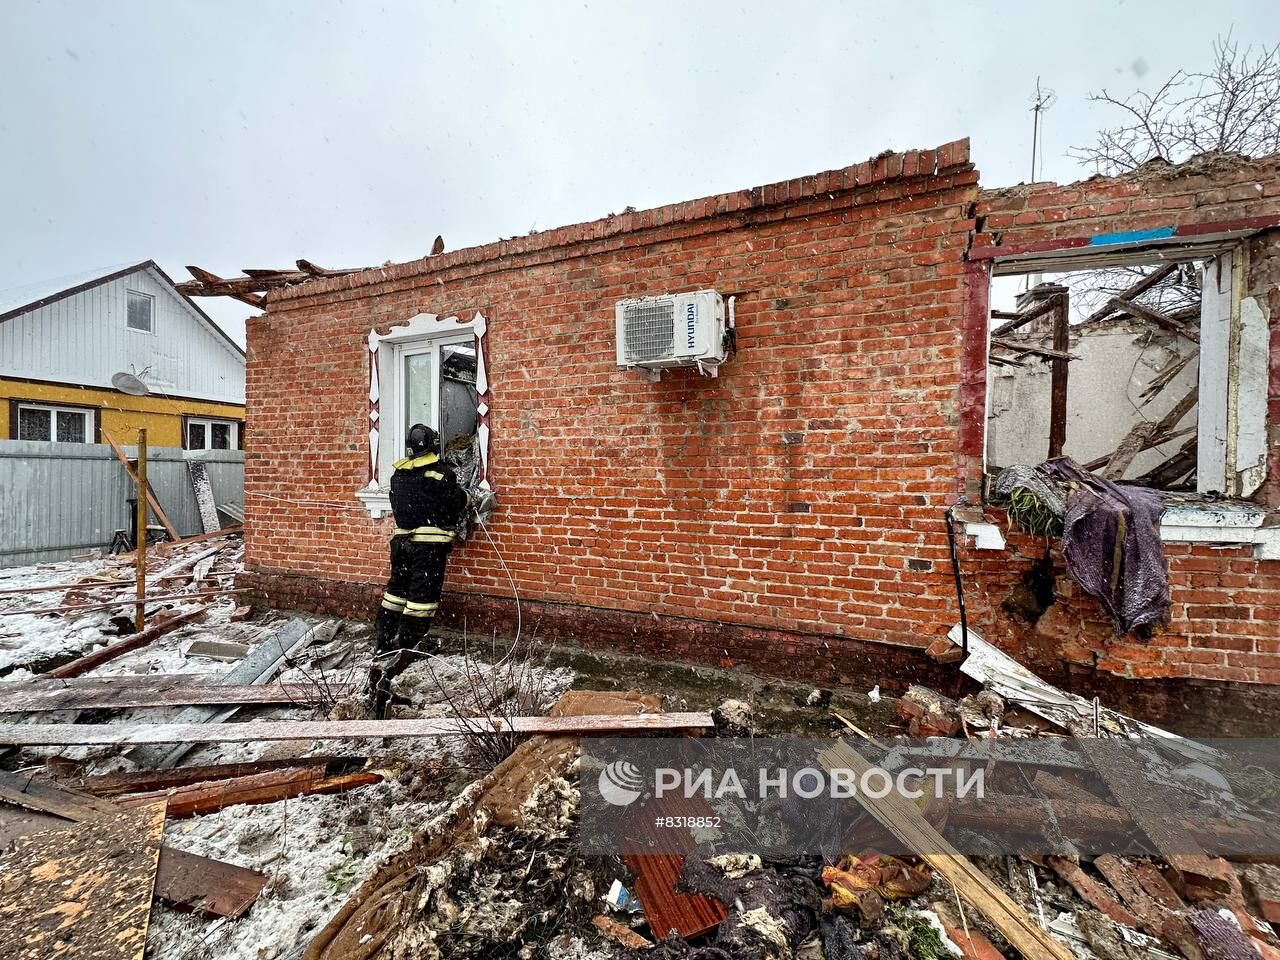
(649, 328)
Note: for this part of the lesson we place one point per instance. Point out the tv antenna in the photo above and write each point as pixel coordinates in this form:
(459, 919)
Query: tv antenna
(1043, 99)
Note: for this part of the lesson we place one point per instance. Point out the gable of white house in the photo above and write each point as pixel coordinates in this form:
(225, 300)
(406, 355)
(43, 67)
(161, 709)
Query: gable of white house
(85, 338)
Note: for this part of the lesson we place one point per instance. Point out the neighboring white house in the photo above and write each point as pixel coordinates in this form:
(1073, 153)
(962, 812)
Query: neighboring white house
(67, 348)
(63, 342)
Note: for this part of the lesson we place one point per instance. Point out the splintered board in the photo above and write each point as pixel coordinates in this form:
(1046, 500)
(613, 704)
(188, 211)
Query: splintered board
(82, 892)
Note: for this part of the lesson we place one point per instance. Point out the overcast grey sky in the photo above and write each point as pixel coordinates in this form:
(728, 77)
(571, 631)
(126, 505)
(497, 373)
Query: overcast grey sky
(250, 134)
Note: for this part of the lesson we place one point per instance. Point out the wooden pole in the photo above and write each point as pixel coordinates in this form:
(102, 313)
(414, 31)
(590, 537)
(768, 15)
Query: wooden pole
(140, 553)
(1058, 376)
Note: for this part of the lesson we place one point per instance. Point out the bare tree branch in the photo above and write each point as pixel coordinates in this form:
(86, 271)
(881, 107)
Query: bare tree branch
(1233, 107)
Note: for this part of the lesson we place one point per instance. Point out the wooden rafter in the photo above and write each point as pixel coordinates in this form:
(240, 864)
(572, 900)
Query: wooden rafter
(1154, 316)
(255, 282)
(1136, 290)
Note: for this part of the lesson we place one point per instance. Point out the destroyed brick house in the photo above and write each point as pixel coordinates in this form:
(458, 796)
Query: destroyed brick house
(788, 514)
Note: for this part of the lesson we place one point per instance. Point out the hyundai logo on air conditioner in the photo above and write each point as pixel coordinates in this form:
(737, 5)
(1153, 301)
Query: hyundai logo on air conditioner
(691, 324)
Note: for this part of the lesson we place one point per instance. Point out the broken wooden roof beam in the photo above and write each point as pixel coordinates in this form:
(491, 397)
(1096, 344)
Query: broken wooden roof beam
(255, 282)
(107, 734)
(41, 695)
(1135, 290)
(271, 786)
(1155, 317)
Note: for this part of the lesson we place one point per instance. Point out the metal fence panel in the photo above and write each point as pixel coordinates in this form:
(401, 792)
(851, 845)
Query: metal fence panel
(62, 499)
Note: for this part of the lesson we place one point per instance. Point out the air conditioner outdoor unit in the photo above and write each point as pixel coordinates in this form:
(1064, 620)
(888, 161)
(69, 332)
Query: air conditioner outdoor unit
(677, 330)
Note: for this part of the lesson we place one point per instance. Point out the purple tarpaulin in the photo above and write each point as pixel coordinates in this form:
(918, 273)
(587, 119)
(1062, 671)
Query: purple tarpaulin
(1111, 542)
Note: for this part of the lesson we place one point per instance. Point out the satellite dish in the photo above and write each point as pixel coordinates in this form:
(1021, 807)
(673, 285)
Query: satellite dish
(128, 383)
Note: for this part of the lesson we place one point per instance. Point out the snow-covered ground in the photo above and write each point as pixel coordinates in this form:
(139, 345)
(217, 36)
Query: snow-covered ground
(315, 850)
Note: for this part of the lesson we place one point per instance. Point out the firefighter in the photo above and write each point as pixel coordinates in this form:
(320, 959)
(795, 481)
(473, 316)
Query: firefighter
(428, 504)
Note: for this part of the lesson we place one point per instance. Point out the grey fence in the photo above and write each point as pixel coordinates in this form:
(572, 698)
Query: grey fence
(58, 500)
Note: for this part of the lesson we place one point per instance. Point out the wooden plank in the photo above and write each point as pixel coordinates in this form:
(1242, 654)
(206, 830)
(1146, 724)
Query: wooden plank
(269, 787)
(64, 587)
(203, 491)
(1153, 814)
(1059, 372)
(107, 734)
(97, 658)
(1023, 319)
(260, 666)
(204, 886)
(139, 781)
(905, 822)
(1137, 290)
(186, 881)
(151, 496)
(44, 797)
(118, 693)
(1029, 348)
(1147, 434)
(130, 602)
(82, 892)
(1154, 316)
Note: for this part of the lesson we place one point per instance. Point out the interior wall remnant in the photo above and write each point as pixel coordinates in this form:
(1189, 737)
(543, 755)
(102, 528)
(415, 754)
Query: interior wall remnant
(1262, 285)
(1116, 361)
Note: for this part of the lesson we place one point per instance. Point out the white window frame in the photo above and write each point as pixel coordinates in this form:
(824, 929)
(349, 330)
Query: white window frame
(424, 333)
(399, 387)
(151, 313)
(207, 423)
(89, 414)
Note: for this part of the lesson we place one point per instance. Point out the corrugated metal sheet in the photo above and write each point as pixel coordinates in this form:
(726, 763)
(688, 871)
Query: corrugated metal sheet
(61, 499)
(83, 339)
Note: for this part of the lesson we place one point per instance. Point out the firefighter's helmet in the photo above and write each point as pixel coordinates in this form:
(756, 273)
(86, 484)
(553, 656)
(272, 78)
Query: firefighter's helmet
(422, 439)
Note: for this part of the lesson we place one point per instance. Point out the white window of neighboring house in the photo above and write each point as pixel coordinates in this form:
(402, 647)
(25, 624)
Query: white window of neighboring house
(141, 314)
(204, 434)
(56, 424)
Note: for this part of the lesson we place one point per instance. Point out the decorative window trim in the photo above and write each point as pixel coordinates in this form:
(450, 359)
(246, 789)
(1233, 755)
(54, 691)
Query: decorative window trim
(92, 435)
(423, 326)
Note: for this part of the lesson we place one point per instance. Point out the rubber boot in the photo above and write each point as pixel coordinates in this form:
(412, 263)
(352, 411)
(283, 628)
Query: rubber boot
(380, 673)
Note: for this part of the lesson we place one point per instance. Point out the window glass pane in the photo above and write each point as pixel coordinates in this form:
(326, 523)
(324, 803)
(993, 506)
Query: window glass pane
(34, 424)
(71, 426)
(195, 436)
(458, 396)
(417, 391)
(220, 436)
(139, 311)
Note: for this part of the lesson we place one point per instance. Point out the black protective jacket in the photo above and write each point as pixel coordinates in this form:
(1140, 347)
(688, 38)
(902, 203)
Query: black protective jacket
(425, 493)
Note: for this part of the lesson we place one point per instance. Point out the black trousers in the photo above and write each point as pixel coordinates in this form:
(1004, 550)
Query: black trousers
(409, 605)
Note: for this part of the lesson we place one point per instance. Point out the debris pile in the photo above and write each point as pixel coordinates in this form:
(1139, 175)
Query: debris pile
(218, 770)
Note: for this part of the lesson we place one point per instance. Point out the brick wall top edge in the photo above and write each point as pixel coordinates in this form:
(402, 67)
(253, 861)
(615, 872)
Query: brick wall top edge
(888, 166)
(1154, 171)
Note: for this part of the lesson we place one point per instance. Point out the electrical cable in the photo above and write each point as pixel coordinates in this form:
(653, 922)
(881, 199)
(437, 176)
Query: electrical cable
(514, 591)
(955, 572)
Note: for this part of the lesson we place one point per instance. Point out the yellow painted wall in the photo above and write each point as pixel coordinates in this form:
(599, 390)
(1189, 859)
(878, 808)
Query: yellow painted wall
(119, 414)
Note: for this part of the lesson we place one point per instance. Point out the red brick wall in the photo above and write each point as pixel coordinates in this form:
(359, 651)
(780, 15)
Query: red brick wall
(1226, 605)
(799, 494)
(802, 490)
